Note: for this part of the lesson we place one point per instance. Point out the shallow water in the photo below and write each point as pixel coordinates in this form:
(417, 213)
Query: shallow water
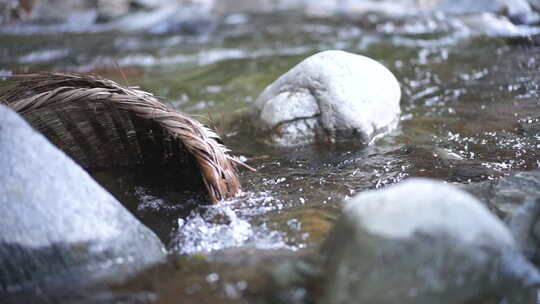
(470, 106)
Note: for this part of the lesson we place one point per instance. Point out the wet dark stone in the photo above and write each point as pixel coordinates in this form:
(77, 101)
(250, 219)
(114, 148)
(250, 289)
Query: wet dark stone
(524, 226)
(516, 199)
(505, 195)
(61, 234)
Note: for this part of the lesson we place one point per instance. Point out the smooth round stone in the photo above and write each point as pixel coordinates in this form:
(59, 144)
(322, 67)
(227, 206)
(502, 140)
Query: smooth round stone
(423, 241)
(328, 96)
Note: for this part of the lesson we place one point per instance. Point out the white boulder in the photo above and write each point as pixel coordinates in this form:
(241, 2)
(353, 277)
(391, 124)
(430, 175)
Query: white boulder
(329, 95)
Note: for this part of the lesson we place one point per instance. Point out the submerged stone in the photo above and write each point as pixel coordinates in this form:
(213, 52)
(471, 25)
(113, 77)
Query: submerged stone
(330, 95)
(423, 241)
(61, 233)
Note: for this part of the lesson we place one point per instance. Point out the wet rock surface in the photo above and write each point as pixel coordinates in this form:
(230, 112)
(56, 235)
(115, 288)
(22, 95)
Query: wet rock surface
(423, 242)
(525, 226)
(516, 199)
(507, 194)
(61, 233)
(330, 95)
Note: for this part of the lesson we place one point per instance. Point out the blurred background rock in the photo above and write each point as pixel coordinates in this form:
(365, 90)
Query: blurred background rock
(191, 15)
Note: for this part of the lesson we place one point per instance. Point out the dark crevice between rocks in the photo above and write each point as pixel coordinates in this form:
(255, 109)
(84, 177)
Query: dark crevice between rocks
(327, 135)
(277, 129)
(157, 195)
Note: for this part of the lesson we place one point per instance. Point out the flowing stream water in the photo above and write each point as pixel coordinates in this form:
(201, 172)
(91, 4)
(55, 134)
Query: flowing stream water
(470, 112)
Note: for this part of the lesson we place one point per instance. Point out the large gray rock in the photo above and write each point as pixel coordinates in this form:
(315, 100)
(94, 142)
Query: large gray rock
(60, 231)
(423, 241)
(329, 95)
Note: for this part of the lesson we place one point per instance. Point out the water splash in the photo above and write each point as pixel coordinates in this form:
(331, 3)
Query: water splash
(219, 227)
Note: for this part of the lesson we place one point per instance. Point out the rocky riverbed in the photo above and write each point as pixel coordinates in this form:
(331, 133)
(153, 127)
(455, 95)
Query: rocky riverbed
(468, 115)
